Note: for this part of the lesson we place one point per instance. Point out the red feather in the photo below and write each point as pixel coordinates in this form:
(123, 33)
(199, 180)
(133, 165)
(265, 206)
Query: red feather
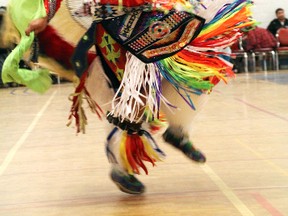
(136, 154)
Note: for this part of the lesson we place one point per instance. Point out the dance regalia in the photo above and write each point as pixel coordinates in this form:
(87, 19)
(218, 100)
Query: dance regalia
(141, 42)
(39, 79)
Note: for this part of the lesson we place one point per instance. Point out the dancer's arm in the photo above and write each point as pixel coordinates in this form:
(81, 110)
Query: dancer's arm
(40, 24)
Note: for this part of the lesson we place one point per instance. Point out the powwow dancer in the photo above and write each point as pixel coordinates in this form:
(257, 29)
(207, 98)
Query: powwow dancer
(15, 31)
(165, 25)
(55, 47)
(148, 45)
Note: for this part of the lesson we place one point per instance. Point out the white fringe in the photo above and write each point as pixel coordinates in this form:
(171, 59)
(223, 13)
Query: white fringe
(138, 90)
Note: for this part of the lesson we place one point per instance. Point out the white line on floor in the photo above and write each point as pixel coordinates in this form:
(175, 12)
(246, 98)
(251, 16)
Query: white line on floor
(24, 136)
(228, 192)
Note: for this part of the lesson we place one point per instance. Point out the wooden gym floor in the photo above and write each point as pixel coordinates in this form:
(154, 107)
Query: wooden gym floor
(45, 170)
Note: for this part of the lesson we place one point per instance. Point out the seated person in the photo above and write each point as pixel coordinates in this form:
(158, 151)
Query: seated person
(259, 38)
(279, 22)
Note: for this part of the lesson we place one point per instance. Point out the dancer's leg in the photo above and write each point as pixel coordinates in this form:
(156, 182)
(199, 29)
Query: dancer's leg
(97, 85)
(180, 122)
(125, 182)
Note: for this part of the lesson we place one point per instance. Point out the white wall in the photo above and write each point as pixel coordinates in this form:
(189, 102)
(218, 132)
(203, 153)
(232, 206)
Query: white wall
(3, 2)
(264, 10)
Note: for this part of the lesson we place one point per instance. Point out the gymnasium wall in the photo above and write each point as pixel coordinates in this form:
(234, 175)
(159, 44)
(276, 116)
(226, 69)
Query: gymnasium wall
(3, 2)
(264, 10)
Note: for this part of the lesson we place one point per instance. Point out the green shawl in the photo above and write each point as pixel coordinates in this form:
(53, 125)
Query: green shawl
(22, 12)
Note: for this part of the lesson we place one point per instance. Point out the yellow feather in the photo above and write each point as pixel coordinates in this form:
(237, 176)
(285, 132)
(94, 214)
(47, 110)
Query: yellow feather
(123, 153)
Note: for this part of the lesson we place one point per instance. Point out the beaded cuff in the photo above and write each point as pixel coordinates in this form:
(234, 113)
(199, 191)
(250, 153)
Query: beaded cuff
(131, 127)
(51, 8)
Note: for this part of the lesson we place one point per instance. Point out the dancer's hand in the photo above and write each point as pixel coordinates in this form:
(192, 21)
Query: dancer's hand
(37, 25)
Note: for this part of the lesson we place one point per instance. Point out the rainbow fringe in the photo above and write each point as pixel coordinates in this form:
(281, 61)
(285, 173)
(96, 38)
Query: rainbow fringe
(198, 68)
(225, 29)
(155, 124)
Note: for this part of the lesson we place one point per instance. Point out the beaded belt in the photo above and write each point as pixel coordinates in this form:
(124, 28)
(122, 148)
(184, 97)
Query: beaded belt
(148, 34)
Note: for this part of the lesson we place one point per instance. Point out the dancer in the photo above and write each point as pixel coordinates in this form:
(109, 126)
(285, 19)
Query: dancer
(50, 42)
(136, 42)
(37, 43)
(170, 27)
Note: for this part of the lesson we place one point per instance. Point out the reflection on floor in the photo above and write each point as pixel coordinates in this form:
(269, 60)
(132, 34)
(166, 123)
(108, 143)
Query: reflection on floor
(45, 170)
(280, 78)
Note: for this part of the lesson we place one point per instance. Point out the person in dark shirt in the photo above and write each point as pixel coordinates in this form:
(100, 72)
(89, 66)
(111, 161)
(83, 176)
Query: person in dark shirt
(280, 22)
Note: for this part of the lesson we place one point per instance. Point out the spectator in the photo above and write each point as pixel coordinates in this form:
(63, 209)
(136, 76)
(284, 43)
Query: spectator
(259, 38)
(280, 22)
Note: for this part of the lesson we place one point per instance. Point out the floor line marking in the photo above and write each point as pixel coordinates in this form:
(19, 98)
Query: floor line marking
(261, 110)
(266, 205)
(9, 157)
(259, 155)
(228, 192)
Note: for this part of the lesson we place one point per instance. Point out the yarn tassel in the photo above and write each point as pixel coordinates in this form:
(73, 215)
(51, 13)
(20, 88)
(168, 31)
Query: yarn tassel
(226, 27)
(77, 111)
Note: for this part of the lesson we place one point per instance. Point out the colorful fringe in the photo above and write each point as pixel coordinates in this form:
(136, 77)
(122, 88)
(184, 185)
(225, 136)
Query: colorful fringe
(225, 28)
(192, 71)
(135, 149)
(166, 5)
(198, 68)
(155, 124)
(77, 112)
(80, 61)
(195, 69)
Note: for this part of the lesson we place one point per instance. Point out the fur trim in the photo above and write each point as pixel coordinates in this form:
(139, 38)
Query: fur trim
(55, 46)
(9, 35)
